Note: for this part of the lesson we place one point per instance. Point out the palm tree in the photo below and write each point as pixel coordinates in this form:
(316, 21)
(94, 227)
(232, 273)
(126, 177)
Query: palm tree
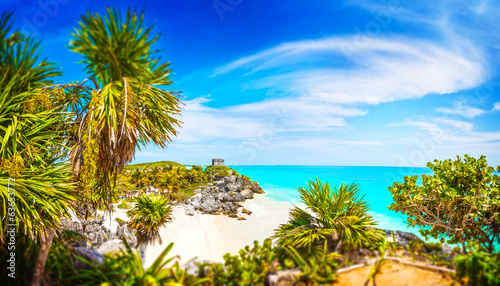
(148, 215)
(32, 128)
(127, 109)
(332, 214)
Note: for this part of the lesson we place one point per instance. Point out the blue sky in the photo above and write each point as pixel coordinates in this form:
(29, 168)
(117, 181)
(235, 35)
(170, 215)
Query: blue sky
(375, 83)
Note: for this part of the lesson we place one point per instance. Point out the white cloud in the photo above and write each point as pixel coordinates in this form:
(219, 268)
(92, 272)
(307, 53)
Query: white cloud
(462, 110)
(458, 124)
(441, 134)
(496, 106)
(241, 122)
(378, 70)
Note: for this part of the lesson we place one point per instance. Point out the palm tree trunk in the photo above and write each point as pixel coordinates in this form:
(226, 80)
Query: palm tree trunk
(39, 269)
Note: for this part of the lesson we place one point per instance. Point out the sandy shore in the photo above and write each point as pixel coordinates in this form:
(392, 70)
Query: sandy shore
(209, 237)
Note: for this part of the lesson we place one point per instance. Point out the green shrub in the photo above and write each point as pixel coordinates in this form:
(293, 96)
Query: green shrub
(250, 267)
(478, 268)
(460, 200)
(433, 247)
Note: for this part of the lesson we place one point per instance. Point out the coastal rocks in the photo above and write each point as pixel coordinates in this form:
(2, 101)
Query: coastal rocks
(241, 218)
(222, 196)
(232, 197)
(245, 211)
(210, 205)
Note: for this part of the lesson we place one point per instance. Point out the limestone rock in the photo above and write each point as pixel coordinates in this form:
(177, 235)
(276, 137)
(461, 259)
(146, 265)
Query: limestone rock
(230, 208)
(241, 218)
(209, 206)
(247, 194)
(189, 210)
(245, 211)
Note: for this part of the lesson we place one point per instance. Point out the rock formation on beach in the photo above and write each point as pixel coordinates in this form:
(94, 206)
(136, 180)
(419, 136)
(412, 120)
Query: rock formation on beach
(223, 196)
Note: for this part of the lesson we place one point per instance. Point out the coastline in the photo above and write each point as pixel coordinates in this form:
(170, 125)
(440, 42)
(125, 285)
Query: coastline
(209, 237)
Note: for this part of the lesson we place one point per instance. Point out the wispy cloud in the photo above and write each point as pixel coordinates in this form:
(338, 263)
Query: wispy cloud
(460, 109)
(380, 70)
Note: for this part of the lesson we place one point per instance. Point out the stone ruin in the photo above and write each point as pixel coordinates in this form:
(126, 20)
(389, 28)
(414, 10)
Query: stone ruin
(218, 162)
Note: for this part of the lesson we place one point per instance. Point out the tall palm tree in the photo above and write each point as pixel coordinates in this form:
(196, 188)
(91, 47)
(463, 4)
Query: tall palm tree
(32, 128)
(148, 215)
(127, 109)
(332, 214)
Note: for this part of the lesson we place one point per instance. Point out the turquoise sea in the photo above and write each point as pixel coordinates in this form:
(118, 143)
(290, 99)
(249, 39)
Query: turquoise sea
(281, 182)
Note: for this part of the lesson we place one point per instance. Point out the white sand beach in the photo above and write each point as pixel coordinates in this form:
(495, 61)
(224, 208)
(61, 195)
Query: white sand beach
(209, 237)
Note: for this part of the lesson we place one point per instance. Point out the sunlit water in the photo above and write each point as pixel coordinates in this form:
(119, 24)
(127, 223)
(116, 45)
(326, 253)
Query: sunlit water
(281, 182)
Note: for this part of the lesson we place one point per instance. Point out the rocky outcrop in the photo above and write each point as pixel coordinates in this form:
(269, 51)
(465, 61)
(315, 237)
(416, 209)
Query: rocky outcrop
(224, 195)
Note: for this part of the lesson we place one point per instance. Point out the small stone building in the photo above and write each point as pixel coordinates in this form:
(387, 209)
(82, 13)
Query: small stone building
(218, 162)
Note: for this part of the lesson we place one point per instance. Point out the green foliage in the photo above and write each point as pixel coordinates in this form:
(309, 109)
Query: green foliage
(220, 171)
(124, 206)
(461, 200)
(340, 212)
(33, 147)
(414, 248)
(127, 108)
(125, 268)
(433, 247)
(250, 267)
(318, 269)
(59, 263)
(148, 215)
(478, 268)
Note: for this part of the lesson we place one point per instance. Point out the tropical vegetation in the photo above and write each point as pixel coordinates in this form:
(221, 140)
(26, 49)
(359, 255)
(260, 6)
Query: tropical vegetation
(460, 200)
(336, 215)
(65, 149)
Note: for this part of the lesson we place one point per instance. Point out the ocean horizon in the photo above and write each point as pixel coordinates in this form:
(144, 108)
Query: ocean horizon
(280, 182)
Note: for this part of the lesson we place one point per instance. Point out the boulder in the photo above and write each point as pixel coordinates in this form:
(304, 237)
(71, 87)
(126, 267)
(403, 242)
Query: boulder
(245, 211)
(209, 205)
(233, 197)
(247, 194)
(232, 188)
(189, 210)
(241, 218)
(230, 208)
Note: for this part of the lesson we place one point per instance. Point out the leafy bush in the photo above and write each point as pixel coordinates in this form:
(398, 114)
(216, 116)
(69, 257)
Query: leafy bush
(478, 268)
(318, 269)
(250, 267)
(461, 200)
